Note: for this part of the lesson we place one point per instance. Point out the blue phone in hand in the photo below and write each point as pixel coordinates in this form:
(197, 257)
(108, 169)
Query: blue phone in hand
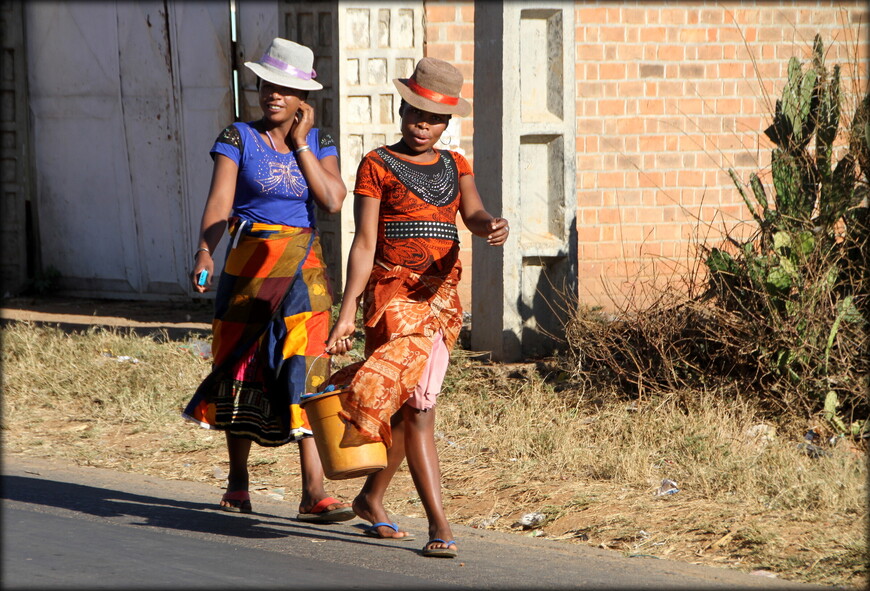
(203, 275)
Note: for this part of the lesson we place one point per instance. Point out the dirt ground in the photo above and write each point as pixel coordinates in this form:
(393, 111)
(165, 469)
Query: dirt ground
(475, 494)
(193, 315)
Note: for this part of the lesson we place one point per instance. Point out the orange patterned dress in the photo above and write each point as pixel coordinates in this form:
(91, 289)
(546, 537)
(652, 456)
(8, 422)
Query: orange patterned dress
(412, 292)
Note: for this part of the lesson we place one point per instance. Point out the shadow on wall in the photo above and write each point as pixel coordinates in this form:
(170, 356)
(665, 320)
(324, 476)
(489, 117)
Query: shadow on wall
(547, 299)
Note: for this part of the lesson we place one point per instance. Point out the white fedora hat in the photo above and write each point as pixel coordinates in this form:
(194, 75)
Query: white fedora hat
(286, 63)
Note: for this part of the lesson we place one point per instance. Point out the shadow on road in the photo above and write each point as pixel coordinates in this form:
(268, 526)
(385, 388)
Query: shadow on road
(161, 512)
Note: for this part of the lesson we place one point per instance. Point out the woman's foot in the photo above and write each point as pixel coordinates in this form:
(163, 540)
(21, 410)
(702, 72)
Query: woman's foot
(441, 543)
(238, 501)
(326, 510)
(315, 505)
(367, 510)
(319, 507)
(440, 548)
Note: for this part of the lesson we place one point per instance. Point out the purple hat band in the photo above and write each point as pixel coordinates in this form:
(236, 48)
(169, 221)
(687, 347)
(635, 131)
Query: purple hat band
(285, 67)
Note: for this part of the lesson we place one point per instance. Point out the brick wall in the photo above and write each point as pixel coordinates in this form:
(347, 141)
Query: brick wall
(668, 98)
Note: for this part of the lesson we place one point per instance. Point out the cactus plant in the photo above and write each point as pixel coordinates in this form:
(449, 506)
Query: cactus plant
(811, 248)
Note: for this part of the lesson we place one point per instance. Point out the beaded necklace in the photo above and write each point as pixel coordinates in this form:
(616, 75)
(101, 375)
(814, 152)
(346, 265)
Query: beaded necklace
(433, 183)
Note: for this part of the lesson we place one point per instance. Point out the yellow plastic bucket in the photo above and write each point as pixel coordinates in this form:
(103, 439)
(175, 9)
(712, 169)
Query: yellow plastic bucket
(339, 462)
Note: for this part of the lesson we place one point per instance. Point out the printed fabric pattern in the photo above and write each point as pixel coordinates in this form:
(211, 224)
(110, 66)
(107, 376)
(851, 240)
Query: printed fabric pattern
(415, 192)
(272, 316)
(402, 311)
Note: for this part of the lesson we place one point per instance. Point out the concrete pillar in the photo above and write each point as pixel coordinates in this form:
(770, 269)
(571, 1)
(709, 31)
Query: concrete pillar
(256, 25)
(315, 25)
(524, 132)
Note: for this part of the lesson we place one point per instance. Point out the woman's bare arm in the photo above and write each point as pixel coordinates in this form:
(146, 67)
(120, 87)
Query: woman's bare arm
(217, 210)
(479, 221)
(359, 268)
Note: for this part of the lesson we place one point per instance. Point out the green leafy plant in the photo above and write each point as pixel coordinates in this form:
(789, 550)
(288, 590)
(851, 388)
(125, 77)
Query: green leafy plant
(801, 279)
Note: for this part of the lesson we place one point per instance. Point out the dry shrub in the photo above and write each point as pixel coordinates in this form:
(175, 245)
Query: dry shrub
(705, 343)
(663, 347)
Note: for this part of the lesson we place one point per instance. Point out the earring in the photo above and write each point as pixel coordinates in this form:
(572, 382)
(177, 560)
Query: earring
(449, 140)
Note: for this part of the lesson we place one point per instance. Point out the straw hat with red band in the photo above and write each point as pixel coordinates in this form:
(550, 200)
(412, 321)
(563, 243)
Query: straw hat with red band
(434, 86)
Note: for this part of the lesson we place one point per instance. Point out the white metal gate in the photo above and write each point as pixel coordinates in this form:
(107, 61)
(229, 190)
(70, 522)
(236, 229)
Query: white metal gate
(126, 99)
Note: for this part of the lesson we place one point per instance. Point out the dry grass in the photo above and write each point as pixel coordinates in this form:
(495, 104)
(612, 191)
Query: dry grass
(513, 439)
(713, 448)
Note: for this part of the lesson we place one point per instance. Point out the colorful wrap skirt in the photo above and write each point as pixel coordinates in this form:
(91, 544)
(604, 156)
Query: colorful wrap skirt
(402, 311)
(272, 319)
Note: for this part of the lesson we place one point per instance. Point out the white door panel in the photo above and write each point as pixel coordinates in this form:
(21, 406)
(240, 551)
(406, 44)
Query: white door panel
(82, 179)
(126, 100)
(151, 129)
(204, 68)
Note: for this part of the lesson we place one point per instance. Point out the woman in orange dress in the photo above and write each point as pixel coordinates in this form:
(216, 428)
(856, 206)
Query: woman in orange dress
(404, 268)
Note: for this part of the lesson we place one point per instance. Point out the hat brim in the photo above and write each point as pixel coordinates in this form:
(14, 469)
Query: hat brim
(461, 108)
(275, 76)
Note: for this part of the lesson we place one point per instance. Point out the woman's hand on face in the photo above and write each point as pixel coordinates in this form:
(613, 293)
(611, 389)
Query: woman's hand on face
(304, 122)
(499, 230)
(340, 338)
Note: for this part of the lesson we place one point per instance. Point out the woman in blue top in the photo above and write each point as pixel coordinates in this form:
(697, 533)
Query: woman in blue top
(272, 307)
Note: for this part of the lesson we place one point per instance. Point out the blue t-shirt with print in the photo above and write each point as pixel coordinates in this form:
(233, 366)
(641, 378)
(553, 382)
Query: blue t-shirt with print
(270, 188)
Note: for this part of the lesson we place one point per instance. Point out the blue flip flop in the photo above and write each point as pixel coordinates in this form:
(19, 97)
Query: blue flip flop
(372, 532)
(439, 552)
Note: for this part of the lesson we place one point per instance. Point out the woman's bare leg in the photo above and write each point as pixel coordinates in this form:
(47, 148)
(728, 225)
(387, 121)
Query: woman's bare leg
(426, 471)
(238, 449)
(369, 503)
(312, 478)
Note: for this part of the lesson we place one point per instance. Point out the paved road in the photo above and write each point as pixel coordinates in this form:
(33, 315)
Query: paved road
(87, 528)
